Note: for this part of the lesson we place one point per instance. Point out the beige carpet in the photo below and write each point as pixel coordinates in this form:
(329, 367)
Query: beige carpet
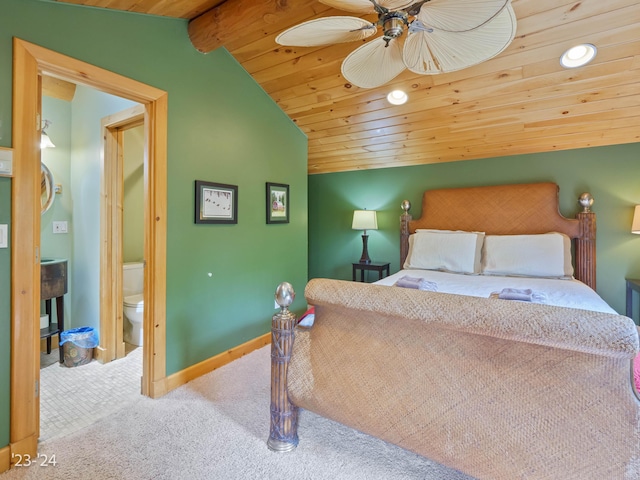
(216, 427)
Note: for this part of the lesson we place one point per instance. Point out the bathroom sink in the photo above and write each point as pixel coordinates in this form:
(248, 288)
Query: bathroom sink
(46, 261)
(53, 278)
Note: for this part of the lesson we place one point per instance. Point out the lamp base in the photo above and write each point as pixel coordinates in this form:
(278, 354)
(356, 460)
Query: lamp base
(365, 253)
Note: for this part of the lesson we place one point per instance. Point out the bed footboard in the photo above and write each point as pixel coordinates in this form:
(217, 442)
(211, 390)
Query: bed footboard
(493, 388)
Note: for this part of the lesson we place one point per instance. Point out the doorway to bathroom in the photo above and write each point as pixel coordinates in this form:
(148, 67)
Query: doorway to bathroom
(31, 62)
(122, 235)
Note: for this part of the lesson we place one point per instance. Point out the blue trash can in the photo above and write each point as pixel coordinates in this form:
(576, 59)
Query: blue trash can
(77, 345)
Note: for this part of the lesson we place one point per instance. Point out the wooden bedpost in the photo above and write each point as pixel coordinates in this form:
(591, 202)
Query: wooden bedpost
(586, 243)
(405, 218)
(283, 435)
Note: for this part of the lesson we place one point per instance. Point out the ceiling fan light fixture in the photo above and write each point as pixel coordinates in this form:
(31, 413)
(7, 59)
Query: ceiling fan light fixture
(578, 55)
(393, 25)
(397, 97)
(443, 36)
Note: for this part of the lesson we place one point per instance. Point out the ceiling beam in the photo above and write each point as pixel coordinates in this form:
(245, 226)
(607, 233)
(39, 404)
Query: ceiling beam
(56, 88)
(234, 19)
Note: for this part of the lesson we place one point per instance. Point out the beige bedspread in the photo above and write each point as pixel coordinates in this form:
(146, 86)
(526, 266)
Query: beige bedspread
(497, 389)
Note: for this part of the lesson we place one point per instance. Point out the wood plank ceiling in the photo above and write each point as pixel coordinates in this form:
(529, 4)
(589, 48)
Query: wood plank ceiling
(519, 102)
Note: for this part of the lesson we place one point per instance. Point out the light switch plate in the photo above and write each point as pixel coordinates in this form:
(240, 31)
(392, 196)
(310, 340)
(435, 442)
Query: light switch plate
(60, 227)
(4, 232)
(6, 161)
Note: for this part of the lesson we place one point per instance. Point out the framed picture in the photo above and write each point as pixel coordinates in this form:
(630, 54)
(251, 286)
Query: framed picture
(277, 203)
(216, 202)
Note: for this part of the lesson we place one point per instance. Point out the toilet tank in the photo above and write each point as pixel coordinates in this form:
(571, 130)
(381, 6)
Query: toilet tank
(132, 278)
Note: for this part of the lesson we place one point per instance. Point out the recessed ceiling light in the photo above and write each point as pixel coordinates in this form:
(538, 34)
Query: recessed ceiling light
(397, 97)
(578, 56)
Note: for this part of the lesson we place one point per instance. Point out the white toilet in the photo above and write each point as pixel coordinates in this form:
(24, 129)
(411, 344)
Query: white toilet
(132, 288)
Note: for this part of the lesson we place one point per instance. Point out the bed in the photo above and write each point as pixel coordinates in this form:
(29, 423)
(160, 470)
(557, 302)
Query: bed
(534, 389)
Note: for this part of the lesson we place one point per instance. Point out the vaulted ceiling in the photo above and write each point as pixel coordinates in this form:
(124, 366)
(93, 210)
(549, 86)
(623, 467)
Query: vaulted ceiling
(521, 101)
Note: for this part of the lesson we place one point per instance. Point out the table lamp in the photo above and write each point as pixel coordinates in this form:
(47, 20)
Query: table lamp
(364, 220)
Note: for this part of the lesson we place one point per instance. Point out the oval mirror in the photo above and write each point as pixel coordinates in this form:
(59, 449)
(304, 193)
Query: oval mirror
(46, 188)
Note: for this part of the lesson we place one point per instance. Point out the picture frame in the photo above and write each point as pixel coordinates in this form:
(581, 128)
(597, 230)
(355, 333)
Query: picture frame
(277, 201)
(216, 203)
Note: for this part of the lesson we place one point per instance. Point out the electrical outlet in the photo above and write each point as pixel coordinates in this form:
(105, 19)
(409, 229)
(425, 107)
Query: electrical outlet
(60, 227)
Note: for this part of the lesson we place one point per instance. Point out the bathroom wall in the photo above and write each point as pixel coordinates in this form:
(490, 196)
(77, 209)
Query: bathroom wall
(58, 160)
(89, 106)
(75, 164)
(133, 211)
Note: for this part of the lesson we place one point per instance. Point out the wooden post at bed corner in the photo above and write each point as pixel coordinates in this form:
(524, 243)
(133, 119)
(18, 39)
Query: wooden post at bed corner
(586, 243)
(405, 218)
(283, 435)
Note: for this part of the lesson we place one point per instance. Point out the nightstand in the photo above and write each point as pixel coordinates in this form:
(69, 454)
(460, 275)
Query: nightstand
(632, 284)
(380, 267)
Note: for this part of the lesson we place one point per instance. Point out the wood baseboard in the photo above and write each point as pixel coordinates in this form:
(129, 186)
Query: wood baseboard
(5, 458)
(99, 353)
(184, 376)
(25, 447)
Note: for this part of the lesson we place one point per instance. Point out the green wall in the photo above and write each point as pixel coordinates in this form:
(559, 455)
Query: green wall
(5, 312)
(222, 128)
(610, 174)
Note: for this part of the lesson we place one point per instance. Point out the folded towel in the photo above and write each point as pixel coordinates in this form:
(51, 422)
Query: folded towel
(417, 283)
(520, 294)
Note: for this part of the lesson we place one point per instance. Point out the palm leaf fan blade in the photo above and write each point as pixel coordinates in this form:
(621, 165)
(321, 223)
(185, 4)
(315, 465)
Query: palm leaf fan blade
(460, 15)
(327, 31)
(365, 6)
(373, 64)
(432, 52)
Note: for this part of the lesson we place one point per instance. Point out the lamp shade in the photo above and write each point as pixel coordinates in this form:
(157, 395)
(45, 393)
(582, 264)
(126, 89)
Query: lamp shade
(364, 220)
(635, 225)
(45, 141)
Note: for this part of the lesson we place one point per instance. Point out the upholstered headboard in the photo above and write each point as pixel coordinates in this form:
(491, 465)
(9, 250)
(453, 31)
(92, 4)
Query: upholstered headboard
(506, 210)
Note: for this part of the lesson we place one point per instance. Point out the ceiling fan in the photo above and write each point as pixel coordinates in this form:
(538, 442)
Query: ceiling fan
(443, 36)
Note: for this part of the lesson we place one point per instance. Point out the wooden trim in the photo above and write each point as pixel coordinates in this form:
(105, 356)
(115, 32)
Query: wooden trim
(111, 211)
(81, 73)
(56, 88)
(155, 247)
(30, 62)
(217, 361)
(25, 446)
(5, 458)
(25, 231)
(100, 354)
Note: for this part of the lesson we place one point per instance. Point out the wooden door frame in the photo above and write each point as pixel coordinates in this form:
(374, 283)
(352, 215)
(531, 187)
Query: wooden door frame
(111, 231)
(30, 61)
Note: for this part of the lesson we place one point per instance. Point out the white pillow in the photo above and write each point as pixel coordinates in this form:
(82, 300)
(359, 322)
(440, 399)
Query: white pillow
(450, 251)
(544, 255)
